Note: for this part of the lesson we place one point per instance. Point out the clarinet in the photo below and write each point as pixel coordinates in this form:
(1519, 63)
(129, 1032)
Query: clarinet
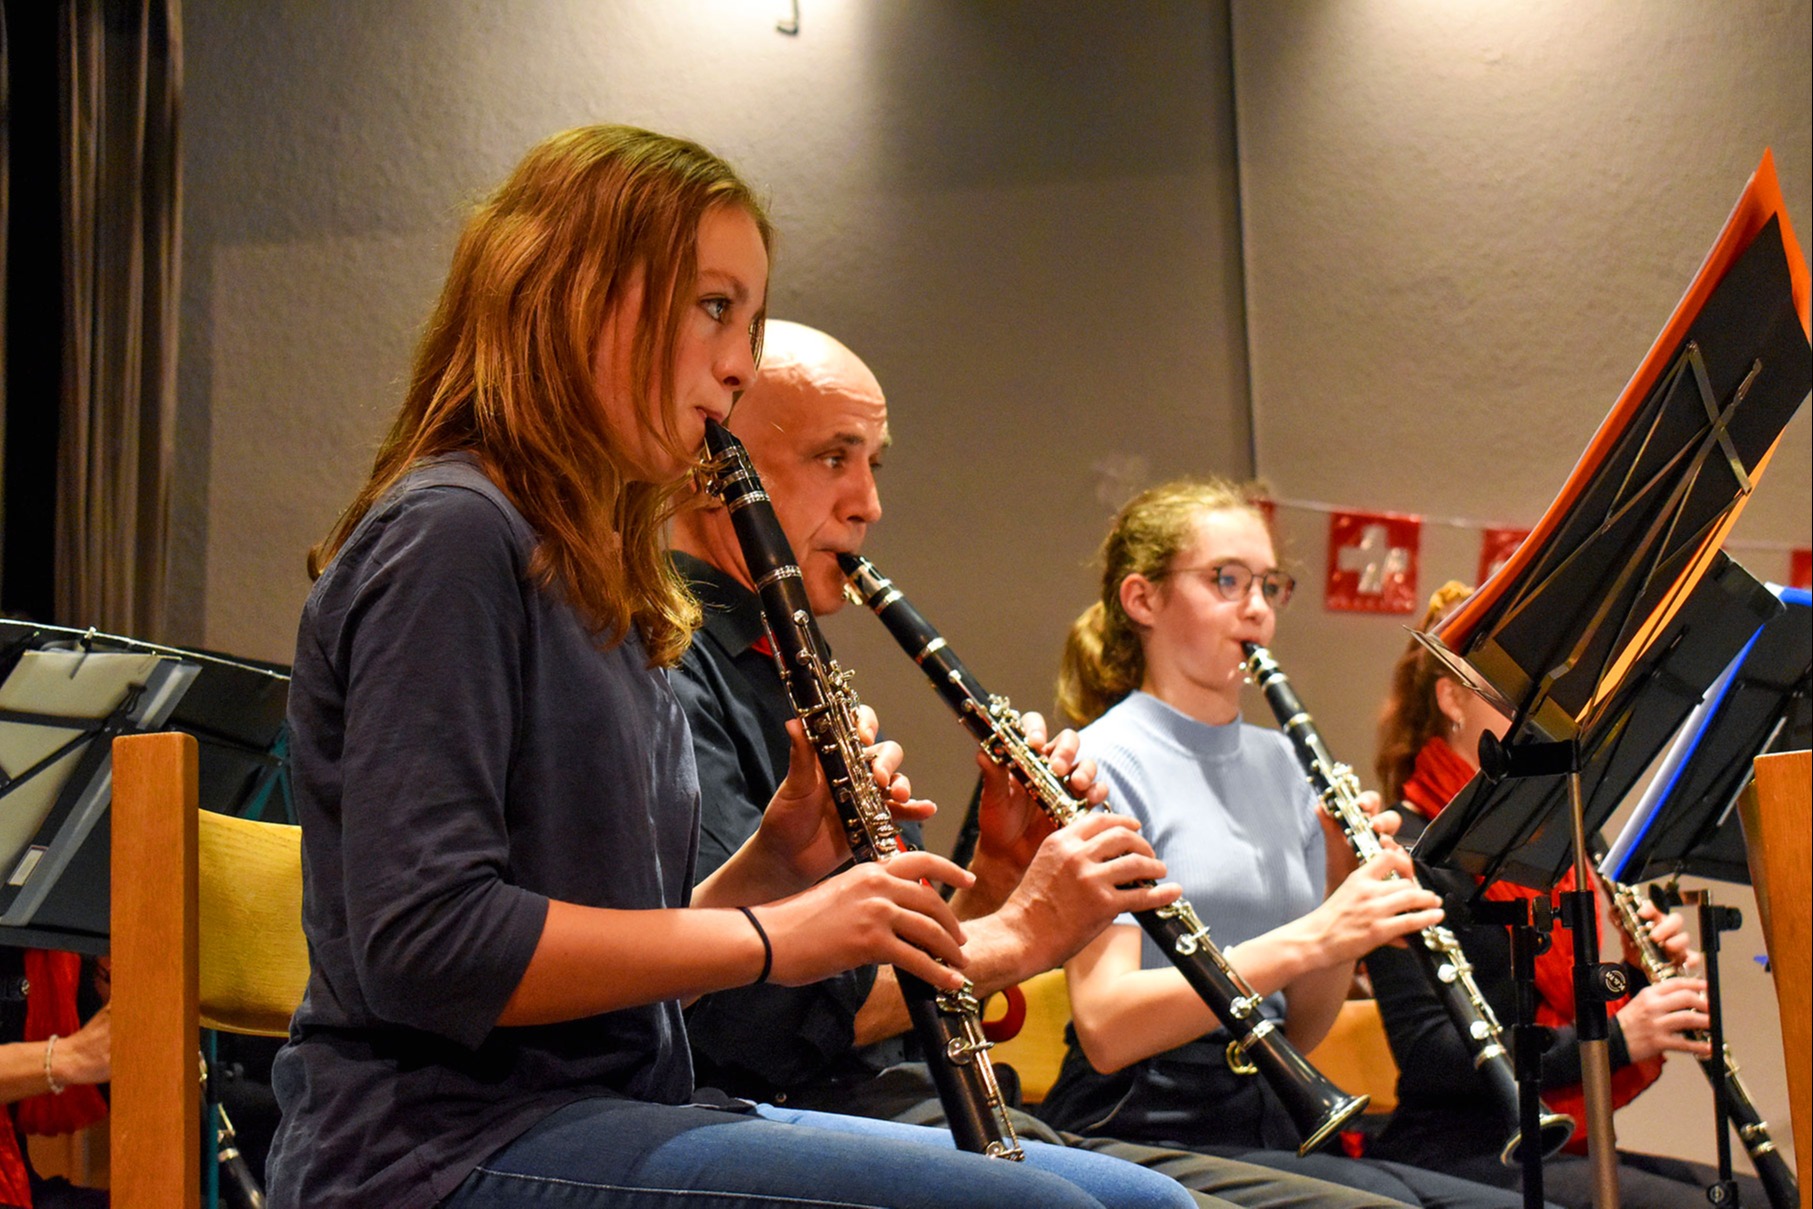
(1778, 1180)
(1443, 962)
(949, 1023)
(237, 1183)
(238, 1186)
(1316, 1105)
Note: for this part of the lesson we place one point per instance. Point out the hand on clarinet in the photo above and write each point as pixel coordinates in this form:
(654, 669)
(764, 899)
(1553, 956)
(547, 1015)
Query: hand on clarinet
(1082, 877)
(1384, 824)
(1669, 932)
(1378, 903)
(884, 913)
(1659, 1018)
(1010, 823)
(801, 829)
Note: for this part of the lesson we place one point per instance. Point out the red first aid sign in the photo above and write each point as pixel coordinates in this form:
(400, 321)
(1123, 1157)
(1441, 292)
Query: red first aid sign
(1372, 562)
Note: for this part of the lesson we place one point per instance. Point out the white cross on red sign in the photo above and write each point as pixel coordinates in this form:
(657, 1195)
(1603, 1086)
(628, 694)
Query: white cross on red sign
(1372, 562)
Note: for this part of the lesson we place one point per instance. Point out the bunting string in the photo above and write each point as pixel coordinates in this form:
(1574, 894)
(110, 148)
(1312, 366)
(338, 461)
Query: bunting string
(1463, 522)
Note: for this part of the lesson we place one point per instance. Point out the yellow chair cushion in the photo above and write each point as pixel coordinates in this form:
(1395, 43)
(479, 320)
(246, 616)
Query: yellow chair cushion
(1356, 1056)
(1037, 1052)
(254, 960)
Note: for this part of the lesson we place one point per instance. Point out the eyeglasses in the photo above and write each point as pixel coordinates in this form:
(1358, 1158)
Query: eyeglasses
(1234, 580)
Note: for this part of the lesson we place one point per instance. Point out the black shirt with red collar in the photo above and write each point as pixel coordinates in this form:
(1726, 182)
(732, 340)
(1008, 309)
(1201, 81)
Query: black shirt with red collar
(792, 1045)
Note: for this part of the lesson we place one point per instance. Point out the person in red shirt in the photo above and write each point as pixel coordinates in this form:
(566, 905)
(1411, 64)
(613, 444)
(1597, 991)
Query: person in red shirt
(1429, 736)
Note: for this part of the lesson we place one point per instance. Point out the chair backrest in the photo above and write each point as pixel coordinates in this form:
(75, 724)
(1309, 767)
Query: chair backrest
(1355, 1053)
(1036, 1052)
(1356, 1056)
(196, 900)
(253, 956)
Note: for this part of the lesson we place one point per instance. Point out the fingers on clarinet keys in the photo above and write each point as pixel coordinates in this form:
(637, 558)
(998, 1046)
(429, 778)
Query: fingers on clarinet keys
(877, 912)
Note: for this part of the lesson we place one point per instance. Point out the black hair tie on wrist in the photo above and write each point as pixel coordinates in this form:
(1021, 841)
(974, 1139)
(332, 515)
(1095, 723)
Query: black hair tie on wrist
(767, 946)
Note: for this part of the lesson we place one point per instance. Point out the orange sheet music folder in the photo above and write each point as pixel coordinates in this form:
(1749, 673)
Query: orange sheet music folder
(1652, 490)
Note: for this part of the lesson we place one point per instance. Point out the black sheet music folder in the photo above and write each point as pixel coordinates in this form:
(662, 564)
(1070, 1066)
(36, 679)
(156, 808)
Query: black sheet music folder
(1519, 829)
(1659, 490)
(64, 696)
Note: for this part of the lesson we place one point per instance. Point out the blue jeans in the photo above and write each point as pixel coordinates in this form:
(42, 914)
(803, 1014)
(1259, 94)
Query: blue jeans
(625, 1154)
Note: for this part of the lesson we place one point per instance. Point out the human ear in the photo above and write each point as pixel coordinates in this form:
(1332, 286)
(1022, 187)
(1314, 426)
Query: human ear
(1448, 701)
(1139, 599)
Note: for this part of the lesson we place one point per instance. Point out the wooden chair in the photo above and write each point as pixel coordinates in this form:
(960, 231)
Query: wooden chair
(1357, 1057)
(1776, 810)
(207, 932)
(1037, 1050)
(1354, 1054)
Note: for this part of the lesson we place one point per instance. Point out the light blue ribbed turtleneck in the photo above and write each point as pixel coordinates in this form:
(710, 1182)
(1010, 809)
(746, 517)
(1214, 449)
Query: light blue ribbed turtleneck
(1226, 808)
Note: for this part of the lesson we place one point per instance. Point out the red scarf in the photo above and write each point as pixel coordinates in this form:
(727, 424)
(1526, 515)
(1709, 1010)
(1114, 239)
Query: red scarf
(1440, 774)
(15, 1187)
(50, 1007)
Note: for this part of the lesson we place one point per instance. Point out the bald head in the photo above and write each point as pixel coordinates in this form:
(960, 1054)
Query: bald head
(815, 424)
(802, 370)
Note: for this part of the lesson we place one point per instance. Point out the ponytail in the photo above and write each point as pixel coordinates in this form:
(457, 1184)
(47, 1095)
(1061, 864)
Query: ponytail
(1097, 670)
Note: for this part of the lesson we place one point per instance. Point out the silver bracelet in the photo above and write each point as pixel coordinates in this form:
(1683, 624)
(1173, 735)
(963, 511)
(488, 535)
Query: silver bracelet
(56, 1085)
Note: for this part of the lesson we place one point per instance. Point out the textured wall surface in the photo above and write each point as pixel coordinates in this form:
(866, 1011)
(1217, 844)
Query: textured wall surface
(1022, 215)
(1465, 225)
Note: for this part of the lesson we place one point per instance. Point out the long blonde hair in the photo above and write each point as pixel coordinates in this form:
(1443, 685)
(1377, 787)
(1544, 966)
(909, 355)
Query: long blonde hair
(1103, 659)
(506, 367)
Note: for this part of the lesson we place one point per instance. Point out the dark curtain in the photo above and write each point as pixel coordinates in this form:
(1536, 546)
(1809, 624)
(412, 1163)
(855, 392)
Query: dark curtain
(120, 84)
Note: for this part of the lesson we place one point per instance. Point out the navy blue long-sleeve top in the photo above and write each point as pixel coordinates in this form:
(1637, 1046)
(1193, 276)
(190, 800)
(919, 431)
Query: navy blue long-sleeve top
(463, 751)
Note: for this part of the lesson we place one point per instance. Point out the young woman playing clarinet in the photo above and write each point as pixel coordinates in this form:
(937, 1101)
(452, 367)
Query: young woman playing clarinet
(496, 785)
(1155, 668)
(1428, 750)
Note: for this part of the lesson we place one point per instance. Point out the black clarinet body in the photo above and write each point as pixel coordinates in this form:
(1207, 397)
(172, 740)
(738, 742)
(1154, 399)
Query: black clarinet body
(948, 1023)
(1316, 1105)
(1778, 1180)
(1436, 950)
(237, 1183)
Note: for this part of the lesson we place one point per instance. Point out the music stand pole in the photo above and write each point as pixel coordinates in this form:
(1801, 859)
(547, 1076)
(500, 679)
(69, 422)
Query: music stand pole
(1590, 985)
(1714, 920)
(1528, 923)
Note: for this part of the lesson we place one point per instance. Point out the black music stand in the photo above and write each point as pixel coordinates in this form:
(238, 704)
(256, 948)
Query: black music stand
(1518, 828)
(65, 695)
(1524, 824)
(1596, 604)
(1686, 821)
(1522, 827)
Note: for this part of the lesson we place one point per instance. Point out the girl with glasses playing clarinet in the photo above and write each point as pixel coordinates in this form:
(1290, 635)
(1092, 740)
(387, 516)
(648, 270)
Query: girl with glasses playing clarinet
(1155, 668)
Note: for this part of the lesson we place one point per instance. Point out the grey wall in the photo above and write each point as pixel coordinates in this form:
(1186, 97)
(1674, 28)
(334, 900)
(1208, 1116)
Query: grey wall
(1022, 215)
(1463, 225)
